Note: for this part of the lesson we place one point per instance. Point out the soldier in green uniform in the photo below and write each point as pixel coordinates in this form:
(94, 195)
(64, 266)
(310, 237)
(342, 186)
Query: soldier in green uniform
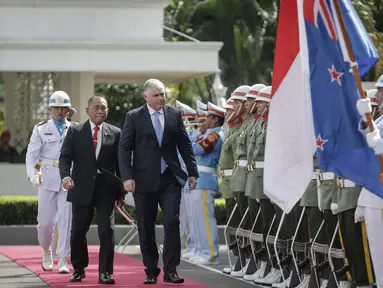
(238, 96)
(328, 188)
(239, 178)
(253, 205)
(265, 274)
(354, 242)
(226, 163)
(311, 222)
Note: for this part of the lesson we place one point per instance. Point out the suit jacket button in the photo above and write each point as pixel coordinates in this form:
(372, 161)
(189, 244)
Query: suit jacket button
(94, 177)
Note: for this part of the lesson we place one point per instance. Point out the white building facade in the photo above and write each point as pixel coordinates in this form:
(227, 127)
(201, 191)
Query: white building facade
(71, 45)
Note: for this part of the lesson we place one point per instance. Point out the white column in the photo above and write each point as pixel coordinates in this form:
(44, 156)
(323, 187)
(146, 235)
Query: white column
(79, 86)
(9, 101)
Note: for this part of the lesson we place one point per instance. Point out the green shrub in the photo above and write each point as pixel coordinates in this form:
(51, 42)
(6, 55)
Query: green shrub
(20, 210)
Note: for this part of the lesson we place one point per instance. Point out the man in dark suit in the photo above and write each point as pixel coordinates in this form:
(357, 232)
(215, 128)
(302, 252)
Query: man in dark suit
(150, 169)
(92, 147)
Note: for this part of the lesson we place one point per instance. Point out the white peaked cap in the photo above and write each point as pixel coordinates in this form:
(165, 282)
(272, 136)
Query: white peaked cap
(213, 109)
(240, 93)
(201, 113)
(254, 90)
(187, 111)
(201, 105)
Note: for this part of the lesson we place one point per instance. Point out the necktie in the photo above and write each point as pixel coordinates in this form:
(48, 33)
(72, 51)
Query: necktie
(95, 134)
(159, 132)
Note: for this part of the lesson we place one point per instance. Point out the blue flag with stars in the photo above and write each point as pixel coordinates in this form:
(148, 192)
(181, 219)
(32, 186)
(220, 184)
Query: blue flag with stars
(341, 148)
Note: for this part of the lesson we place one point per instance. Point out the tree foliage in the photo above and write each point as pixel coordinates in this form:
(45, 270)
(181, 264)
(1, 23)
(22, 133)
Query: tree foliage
(371, 14)
(121, 99)
(247, 29)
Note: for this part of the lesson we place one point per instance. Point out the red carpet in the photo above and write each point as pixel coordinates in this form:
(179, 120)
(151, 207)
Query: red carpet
(128, 272)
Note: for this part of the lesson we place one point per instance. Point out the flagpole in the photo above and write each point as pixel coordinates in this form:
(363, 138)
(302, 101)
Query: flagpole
(355, 71)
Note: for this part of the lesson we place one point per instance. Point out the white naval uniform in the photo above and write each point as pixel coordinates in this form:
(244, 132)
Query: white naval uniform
(373, 215)
(53, 208)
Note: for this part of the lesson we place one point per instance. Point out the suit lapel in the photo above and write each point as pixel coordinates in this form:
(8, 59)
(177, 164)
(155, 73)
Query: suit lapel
(88, 138)
(166, 125)
(148, 123)
(106, 136)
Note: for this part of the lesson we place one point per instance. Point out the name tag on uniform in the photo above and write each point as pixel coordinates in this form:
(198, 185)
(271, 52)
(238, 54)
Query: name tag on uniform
(48, 134)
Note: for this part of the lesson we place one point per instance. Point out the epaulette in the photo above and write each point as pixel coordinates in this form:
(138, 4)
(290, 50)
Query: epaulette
(42, 122)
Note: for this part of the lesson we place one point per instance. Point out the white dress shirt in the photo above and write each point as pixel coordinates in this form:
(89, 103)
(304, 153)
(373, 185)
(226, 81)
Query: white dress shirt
(160, 116)
(99, 136)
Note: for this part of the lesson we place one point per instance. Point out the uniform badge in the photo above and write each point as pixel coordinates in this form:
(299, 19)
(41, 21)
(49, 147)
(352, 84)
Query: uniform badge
(48, 132)
(59, 99)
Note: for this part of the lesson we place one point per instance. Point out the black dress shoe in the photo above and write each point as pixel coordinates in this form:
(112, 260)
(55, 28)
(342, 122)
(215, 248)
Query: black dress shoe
(77, 276)
(105, 278)
(173, 278)
(150, 280)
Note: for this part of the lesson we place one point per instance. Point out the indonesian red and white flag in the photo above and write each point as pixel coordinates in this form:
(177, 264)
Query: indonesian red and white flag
(290, 141)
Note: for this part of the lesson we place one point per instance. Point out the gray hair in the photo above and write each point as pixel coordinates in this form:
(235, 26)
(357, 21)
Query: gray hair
(153, 83)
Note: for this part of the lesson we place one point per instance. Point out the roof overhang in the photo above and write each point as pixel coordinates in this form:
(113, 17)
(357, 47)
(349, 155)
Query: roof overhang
(115, 63)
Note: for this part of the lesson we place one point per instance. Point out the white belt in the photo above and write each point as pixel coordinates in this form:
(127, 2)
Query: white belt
(241, 163)
(50, 162)
(226, 172)
(345, 183)
(258, 164)
(206, 169)
(327, 176)
(323, 176)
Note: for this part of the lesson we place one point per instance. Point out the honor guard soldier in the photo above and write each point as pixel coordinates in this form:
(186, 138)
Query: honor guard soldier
(239, 98)
(369, 205)
(309, 226)
(42, 169)
(352, 235)
(196, 136)
(226, 163)
(186, 231)
(256, 166)
(326, 185)
(238, 182)
(251, 96)
(207, 151)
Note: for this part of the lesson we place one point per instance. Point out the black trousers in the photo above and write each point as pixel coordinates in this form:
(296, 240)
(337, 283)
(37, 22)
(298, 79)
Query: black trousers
(313, 218)
(354, 248)
(329, 226)
(267, 212)
(168, 197)
(242, 202)
(234, 221)
(103, 200)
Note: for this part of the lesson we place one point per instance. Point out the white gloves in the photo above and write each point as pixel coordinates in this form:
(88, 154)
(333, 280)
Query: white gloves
(36, 180)
(364, 107)
(359, 214)
(129, 200)
(373, 138)
(334, 208)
